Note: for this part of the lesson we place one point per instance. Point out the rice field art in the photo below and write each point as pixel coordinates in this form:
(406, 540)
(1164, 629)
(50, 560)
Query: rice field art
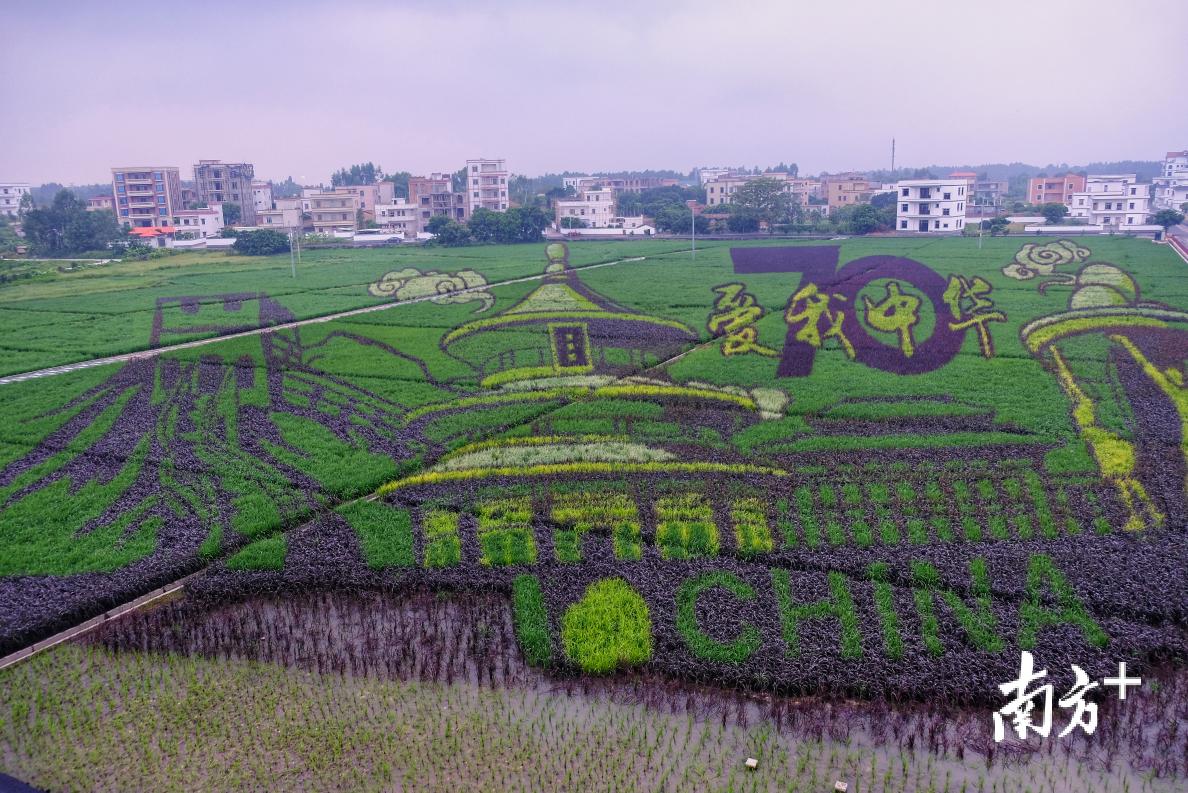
(807, 502)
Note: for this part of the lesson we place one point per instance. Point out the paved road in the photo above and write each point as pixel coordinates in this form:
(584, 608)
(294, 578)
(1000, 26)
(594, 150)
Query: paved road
(132, 356)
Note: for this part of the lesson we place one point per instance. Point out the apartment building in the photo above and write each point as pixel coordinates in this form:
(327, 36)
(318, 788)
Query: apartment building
(932, 206)
(146, 196)
(1171, 186)
(434, 195)
(370, 195)
(10, 197)
(1054, 189)
(1112, 201)
(217, 182)
(619, 184)
(707, 175)
(988, 192)
(201, 223)
(261, 196)
(284, 215)
(330, 212)
(399, 215)
(848, 189)
(722, 189)
(594, 207)
(486, 185)
(100, 202)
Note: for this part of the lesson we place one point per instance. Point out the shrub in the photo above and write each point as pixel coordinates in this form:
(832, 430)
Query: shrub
(261, 243)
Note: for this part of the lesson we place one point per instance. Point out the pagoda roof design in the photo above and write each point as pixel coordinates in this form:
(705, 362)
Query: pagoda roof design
(562, 296)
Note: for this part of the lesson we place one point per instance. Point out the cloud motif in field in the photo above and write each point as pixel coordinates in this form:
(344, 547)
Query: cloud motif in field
(1035, 259)
(411, 284)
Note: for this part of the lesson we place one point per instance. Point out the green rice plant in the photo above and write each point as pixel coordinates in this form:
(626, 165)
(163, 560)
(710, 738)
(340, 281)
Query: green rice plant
(751, 531)
(879, 573)
(833, 527)
(505, 532)
(532, 620)
(685, 527)
(808, 516)
(385, 533)
(852, 498)
(608, 628)
(443, 548)
(1044, 578)
(880, 496)
(1039, 498)
(581, 512)
(838, 605)
(977, 621)
(735, 651)
(265, 554)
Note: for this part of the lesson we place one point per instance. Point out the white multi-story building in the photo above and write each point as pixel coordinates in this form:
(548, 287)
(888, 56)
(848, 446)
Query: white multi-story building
(262, 195)
(400, 215)
(932, 206)
(595, 207)
(1112, 201)
(706, 175)
(10, 197)
(486, 185)
(285, 215)
(202, 223)
(1171, 186)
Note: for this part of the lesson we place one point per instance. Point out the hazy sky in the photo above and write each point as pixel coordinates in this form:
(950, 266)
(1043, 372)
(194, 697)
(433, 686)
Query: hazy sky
(301, 88)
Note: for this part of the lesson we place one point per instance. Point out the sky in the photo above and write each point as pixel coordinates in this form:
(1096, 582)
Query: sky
(302, 88)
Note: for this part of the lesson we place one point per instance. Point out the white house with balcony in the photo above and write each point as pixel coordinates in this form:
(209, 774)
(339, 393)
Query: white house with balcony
(10, 197)
(931, 206)
(399, 216)
(200, 223)
(1171, 186)
(595, 208)
(1112, 201)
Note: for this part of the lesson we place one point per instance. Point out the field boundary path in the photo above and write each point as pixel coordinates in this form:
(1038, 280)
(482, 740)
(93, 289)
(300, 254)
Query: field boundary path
(139, 354)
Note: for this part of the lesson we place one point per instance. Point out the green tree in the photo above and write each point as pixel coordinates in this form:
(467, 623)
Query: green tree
(400, 180)
(362, 173)
(66, 228)
(865, 219)
(767, 198)
(232, 213)
(573, 223)
(744, 221)
(675, 219)
(261, 243)
(448, 232)
(1166, 218)
(286, 189)
(1053, 212)
(485, 226)
(458, 180)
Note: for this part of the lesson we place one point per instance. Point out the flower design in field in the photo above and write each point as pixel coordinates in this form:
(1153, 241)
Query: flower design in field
(1035, 259)
(411, 284)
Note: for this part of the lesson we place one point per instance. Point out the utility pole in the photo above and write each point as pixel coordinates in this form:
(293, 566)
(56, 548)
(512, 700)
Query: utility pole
(693, 225)
(893, 158)
(292, 260)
